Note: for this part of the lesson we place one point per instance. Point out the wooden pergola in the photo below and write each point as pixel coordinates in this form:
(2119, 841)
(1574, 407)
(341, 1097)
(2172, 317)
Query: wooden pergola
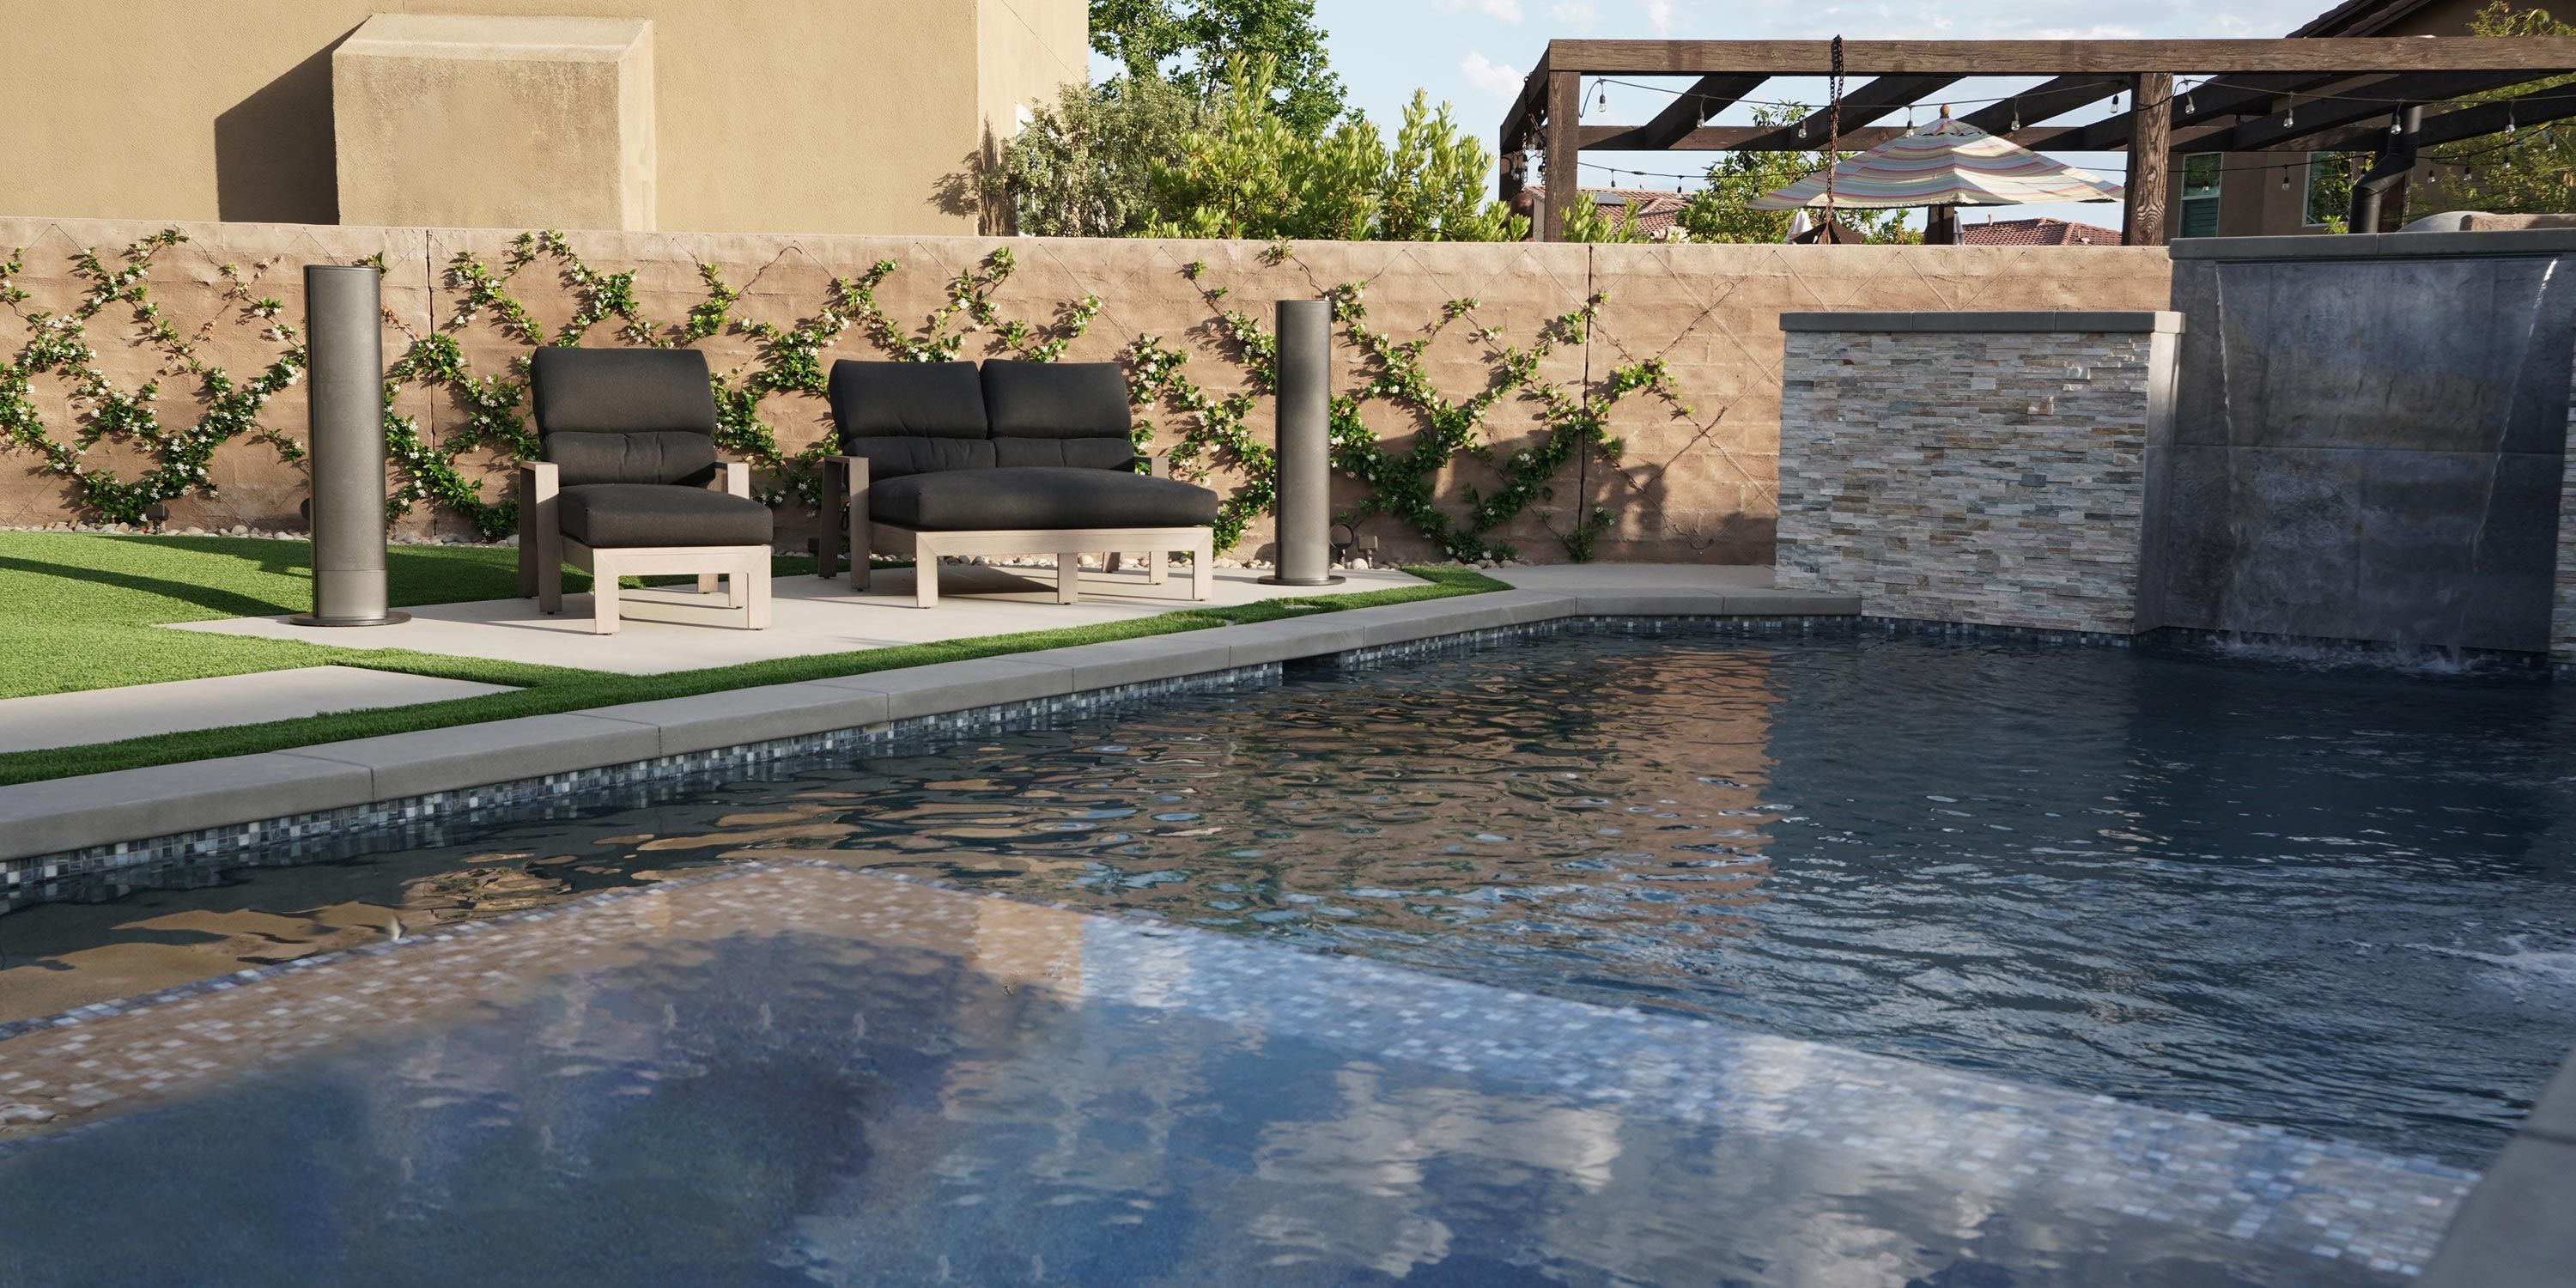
(2287, 95)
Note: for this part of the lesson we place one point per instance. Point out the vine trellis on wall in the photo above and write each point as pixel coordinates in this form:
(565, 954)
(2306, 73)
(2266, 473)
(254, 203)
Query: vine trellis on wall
(1211, 431)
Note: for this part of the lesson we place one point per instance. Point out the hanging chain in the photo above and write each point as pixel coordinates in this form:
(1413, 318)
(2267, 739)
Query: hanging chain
(1833, 137)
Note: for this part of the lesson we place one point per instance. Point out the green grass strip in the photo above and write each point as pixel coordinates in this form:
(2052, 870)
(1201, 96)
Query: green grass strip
(95, 609)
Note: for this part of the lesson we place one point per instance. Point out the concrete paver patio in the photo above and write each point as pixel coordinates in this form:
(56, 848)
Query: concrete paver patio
(675, 629)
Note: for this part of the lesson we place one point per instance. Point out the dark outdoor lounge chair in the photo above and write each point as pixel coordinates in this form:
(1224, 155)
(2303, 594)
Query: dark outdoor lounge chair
(1017, 458)
(625, 486)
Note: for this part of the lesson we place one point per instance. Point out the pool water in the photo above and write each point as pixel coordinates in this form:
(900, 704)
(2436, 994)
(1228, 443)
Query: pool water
(2338, 900)
(2285, 918)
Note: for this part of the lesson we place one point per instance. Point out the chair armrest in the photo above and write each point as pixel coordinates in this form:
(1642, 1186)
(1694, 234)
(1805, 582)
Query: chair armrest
(1159, 465)
(853, 469)
(538, 481)
(735, 478)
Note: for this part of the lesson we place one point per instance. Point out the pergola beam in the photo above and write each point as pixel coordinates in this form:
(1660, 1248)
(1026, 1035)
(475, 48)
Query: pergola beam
(1860, 107)
(2049, 98)
(2347, 77)
(2351, 56)
(1738, 138)
(2376, 98)
(1707, 97)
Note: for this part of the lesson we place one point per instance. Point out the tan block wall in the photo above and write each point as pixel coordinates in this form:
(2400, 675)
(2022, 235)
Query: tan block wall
(1697, 479)
(823, 115)
(495, 122)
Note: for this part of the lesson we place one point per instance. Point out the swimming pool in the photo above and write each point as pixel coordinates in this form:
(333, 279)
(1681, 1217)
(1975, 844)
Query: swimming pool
(2269, 954)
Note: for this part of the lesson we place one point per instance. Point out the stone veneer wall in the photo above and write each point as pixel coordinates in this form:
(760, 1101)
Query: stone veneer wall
(2562, 604)
(1696, 479)
(1972, 467)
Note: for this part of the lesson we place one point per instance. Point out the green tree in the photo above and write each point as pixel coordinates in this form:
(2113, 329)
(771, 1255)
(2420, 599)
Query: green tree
(1245, 172)
(1085, 166)
(2531, 173)
(1718, 211)
(1189, 42)
(1586, 221)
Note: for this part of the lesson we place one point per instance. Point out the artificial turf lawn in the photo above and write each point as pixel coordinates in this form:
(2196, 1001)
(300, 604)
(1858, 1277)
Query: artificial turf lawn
(83, 612)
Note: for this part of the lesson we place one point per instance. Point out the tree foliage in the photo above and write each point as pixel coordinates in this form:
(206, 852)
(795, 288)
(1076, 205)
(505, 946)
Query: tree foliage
(1085, 166)
(1718, 211)
(2532, 173)
(1245, 172)
(1189, 42)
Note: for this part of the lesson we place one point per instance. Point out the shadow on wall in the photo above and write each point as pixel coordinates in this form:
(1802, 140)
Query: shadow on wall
(274, 157)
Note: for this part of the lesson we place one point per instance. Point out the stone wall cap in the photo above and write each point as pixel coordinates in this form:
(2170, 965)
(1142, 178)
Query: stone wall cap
(471, 36)
(2503, 241)
(2026, 320)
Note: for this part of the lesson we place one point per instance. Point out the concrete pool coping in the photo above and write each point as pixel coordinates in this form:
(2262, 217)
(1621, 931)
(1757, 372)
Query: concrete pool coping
(57, 819)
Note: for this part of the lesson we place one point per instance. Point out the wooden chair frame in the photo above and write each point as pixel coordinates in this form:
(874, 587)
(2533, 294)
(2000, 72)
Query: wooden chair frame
(544, 550)
(845, 513)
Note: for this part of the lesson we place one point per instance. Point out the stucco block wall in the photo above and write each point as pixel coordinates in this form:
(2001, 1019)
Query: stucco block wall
(492, 122)
(780, 115)
(1985, 476)
(1696, 477)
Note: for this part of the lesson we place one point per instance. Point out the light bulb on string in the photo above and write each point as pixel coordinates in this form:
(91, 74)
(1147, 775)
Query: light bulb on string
(2016, 124)
(2285, 178)
(2508, 120)
(1802, 127)
(2186, 103)
(2291, 117)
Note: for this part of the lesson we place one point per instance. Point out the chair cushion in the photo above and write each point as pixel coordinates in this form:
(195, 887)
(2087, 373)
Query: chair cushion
(1056, 399)
(620, 391)
(1038, 497)
(890, 457)
(1077, 453)
(907, 399)
(624, 415)
(643, 456)
(612, 515)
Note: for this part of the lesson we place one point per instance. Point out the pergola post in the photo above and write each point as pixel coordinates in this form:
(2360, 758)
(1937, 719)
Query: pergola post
(1564, 144)
(2142, 207)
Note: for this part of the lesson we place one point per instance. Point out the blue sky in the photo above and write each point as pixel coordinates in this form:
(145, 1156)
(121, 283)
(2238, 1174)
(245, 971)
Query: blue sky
(1473, 53)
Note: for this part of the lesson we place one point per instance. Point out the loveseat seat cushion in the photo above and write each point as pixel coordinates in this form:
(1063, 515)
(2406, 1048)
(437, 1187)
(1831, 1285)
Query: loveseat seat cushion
(607, 516)
(1038, 497)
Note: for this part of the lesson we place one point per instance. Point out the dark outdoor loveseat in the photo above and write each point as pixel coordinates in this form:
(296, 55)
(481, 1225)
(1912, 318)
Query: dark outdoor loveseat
(630, 484)
(1012, 458)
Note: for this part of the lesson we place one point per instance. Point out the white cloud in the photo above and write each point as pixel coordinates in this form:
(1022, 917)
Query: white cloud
(1659, 15)
(1575, 13)
(1504, 10)
(1487, 75)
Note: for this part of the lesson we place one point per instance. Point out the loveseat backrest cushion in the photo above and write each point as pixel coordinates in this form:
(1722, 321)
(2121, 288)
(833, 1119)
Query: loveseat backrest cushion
(624, 415)
(1059, 413)
(907, 399)
(911, 417)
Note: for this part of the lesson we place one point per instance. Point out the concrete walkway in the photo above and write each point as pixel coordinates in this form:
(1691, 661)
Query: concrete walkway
(675, 629)
(140, 710)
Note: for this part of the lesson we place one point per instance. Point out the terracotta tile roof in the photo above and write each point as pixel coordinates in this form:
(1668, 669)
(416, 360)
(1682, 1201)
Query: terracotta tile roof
(2035, 232)
(1657, 209)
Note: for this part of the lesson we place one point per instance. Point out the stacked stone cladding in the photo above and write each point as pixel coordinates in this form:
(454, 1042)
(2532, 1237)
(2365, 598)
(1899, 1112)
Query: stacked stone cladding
(1994, 478)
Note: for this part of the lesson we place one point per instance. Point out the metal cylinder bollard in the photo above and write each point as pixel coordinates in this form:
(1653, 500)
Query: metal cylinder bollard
(1305, 482)
(346, 362)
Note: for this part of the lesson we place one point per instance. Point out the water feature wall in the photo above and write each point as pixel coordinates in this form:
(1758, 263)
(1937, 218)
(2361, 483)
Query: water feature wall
(2368, 440)
(1982, 467)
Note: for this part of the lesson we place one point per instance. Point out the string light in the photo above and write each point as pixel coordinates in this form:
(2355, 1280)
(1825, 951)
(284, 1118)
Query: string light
(2508, 120)
(2186, 103)
(2291, 117)
(2285, 178)
(2016, 116)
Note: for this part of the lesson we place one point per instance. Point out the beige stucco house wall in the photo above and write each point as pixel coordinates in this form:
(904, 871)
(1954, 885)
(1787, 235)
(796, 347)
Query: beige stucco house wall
(835, 116)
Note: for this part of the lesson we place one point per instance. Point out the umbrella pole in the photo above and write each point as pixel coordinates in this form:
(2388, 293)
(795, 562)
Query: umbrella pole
(1941, 226)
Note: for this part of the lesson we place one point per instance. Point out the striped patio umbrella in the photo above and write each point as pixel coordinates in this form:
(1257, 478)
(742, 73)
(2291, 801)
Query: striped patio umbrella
(1946, 163)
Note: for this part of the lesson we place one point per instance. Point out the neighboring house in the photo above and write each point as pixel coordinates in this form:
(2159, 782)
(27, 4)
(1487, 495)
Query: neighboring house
(1655, 210)
(2245, 194)
(2032, 232)
(834, 116)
